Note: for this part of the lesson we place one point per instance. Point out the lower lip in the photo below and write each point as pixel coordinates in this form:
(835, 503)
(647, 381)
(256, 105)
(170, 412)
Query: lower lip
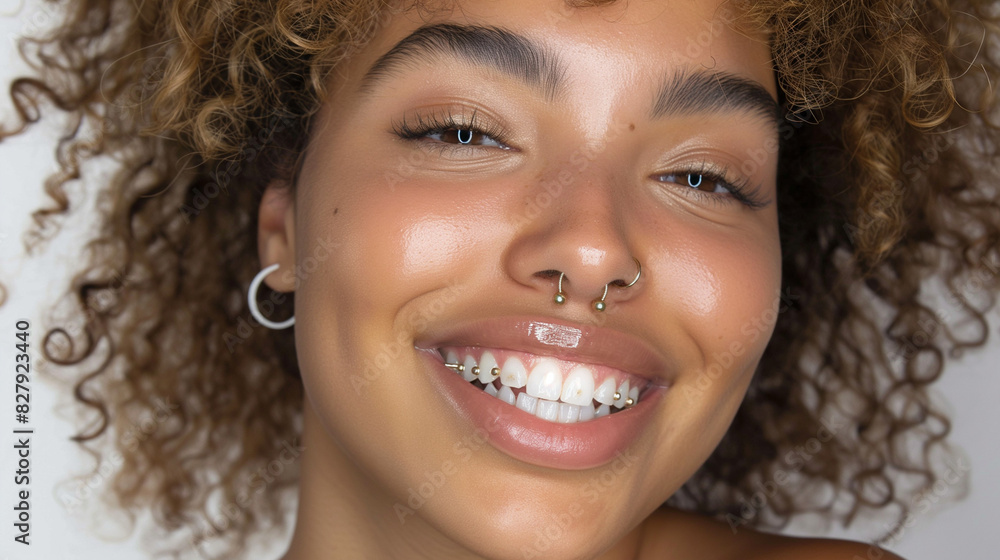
(577, 446)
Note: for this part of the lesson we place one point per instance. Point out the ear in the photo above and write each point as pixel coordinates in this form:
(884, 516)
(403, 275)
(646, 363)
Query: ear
(276, 235)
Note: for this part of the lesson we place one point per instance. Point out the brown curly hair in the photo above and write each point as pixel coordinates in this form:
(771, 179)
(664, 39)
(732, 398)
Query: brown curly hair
(884, 188)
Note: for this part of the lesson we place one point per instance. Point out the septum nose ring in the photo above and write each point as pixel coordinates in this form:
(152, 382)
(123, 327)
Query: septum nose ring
(599, 303)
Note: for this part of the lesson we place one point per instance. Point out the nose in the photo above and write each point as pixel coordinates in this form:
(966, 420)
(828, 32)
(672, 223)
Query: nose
(576, 239)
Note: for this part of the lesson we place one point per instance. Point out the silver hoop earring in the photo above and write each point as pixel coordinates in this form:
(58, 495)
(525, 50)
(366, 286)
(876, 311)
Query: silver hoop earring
(252, 301)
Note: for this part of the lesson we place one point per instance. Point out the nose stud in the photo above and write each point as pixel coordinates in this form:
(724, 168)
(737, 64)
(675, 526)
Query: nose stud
(599, 304)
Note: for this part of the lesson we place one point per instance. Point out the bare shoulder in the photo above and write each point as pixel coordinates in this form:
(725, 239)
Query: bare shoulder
(791, 548)
(675, 534)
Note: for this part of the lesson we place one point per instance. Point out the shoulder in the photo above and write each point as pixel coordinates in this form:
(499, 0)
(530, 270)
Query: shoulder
(671, 533)
(792, 548)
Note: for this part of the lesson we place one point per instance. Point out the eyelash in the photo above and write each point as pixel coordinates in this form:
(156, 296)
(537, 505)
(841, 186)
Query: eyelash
(739, 189)
(436, 124)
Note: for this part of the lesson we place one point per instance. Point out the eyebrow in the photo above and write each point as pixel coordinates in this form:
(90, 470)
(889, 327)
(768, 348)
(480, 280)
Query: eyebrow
(714, 91)
(681, 93)
(509, 53)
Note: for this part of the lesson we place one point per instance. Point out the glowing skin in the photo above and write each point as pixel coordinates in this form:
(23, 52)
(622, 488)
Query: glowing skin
(431, 233)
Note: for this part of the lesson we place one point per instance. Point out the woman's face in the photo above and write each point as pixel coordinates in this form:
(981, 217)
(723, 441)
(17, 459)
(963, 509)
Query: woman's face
(413, 239)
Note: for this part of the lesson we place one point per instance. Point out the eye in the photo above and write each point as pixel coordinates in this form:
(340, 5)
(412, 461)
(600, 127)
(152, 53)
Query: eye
(712, 183)
(450, 131)
(704, 182)
(466, 136)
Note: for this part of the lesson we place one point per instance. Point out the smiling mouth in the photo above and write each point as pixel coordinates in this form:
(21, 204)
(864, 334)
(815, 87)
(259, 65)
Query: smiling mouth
(549, 388)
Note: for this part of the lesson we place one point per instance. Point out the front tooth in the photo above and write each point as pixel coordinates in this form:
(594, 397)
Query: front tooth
(602, 410)
(526, 403)
(578, 388)
(547, 410)
(470, 363)
(513, 373)
(586, 413)
(491, 390)
(622, 394)
(506, 395)
(569, 413)
(605, 394)
(545, 381)
(486, 364)
(634, 394)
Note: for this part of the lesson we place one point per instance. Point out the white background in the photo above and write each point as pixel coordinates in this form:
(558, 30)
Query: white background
(971, 387)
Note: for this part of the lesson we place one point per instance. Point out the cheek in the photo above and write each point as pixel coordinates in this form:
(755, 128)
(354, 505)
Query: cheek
(429, 244)
(719, 291)
(724, 289)
(355, 315)
(396, 249)
(393, 244)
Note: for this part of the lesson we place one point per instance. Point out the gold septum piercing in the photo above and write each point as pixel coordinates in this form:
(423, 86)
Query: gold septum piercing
(599, 304)
(560, 297)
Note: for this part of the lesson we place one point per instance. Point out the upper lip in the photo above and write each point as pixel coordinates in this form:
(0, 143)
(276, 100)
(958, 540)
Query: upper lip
(556, 338)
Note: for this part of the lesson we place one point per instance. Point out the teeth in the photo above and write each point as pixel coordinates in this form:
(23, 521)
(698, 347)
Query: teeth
(547, 410)
(578, 388)
(545, 381)
(452, 358)
(526, 403)
(569, 413)
(487, 363)
(605, 394)
(622, 394)
(467, 373)
(513, 374)
(546, 394)
(506, 395)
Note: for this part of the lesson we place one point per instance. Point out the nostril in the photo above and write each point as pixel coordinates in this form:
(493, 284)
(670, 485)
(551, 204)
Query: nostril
(547, 273)
(560, 296)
